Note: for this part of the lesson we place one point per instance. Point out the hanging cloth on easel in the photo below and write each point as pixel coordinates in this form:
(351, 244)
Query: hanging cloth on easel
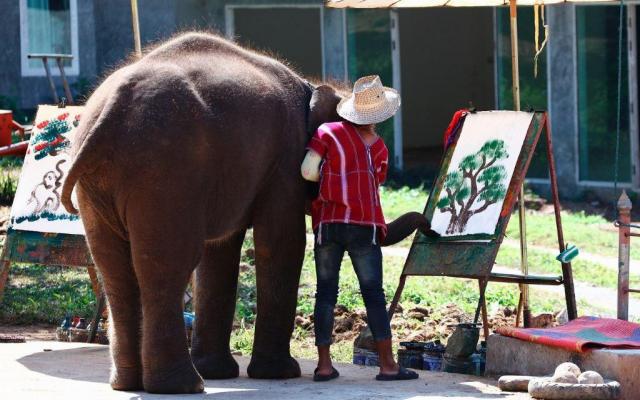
(538, 16)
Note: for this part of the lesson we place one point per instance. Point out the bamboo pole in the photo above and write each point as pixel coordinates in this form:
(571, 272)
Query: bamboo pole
(136, 28)
(515, 75)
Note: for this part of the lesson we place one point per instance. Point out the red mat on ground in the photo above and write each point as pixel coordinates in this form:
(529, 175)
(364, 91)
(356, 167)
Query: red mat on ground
(582, 334)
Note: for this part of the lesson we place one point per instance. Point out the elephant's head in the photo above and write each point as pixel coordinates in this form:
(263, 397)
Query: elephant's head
(322, 107)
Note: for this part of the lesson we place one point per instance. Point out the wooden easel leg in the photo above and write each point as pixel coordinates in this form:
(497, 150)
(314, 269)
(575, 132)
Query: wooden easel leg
(485, 317)
(4, 275)
(396, 297)
(96, 318)
(95, 283)
(519, 308)
(567, 274)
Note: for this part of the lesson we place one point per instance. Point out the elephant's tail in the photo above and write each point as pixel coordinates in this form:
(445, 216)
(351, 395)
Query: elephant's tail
(93, 146)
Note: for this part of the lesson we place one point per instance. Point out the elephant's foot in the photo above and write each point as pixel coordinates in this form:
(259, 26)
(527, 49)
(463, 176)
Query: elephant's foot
(128, 379)
(221, 366)
(274, 367)
(177, 380)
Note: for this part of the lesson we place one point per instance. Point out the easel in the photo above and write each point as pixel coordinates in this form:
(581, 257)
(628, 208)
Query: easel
(474, 257)
(52, 249)
(49, 249)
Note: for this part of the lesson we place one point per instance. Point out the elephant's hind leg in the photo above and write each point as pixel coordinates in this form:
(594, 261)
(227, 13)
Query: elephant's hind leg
(216, 288)
(279, 241)
(113, 259)
(166, 244)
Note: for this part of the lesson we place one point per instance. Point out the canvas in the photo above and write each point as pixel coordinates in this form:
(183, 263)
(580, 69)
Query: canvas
(37, 206)
(479, 173)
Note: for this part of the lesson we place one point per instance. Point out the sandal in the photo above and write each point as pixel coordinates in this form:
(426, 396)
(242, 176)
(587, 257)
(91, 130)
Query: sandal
(323, 378)
(403, 374)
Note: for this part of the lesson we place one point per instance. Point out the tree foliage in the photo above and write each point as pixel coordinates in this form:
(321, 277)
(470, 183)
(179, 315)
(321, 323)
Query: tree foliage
(475, 185)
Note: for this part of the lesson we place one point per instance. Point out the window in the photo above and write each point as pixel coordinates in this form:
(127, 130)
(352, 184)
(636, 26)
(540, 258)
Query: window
(597, 48)
(369, 53)
(533, 90)
(48, 26)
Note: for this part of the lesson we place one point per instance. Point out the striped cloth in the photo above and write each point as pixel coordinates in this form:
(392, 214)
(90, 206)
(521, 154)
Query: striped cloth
(582, 334)
(350, 175)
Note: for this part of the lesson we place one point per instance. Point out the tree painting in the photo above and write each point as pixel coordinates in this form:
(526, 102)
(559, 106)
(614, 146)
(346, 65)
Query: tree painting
(476, 184)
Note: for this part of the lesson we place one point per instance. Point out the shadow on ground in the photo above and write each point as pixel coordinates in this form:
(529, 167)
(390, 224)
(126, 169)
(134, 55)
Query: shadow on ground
(91, 364)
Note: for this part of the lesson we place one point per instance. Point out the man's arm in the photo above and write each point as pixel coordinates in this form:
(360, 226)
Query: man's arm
(310, 168)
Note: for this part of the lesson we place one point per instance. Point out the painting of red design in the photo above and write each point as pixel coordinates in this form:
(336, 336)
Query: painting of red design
(36, 206)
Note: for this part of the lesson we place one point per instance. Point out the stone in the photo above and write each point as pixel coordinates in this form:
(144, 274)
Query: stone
(564, 377)
(567, 367)
(590, 377)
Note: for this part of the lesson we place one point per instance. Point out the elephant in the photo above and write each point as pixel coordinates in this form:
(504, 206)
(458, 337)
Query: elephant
(177, 154)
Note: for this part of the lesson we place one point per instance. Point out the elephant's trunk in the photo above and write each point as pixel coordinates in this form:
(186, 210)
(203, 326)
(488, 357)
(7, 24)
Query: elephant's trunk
(405, 225)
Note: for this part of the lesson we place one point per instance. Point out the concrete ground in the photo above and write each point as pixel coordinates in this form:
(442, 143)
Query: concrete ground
(56, 370)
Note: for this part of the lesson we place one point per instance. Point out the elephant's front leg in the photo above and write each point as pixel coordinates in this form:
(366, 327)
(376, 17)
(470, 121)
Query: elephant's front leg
(279, 242)
(216, 288)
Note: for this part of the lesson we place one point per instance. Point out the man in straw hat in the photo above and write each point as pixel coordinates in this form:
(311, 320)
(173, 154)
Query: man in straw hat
(347, 216)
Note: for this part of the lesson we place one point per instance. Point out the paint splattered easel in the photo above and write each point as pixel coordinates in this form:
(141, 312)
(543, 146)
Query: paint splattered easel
(473, 256)
(48, 248)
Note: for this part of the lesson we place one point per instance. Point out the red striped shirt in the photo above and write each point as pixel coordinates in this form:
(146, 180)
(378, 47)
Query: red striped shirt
(350, 175)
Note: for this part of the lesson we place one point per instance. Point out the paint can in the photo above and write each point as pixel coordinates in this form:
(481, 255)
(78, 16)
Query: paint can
(432, 362)
(411, 355)
(457, 365)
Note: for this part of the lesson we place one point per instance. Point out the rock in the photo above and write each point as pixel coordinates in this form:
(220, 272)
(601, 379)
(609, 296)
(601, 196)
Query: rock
(514, 383)
(250, 253)
(507, 312)
(567, 367)
(365, 340)
(340, 309)
(416, 315)
(564, 377)
(590, 377)
(302, 322)
(544, 320)
(343, 324)
(422, 310)
(562, 317)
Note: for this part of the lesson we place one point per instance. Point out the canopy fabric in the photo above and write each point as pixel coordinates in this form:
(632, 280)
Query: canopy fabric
(444, 3)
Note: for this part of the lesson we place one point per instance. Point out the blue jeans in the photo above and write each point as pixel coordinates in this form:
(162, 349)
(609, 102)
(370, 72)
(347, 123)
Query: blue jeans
(366, 258)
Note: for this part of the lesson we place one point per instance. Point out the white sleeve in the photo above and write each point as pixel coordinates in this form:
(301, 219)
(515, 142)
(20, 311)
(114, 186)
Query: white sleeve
(310, 168)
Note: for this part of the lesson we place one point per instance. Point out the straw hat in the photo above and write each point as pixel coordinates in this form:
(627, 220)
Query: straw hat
(370, 102)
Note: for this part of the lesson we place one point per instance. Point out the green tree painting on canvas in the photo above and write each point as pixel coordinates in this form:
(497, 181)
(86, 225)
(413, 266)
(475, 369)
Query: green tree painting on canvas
(475, 185)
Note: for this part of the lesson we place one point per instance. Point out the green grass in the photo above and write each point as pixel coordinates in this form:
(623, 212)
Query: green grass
(46, 294)
(591, 233)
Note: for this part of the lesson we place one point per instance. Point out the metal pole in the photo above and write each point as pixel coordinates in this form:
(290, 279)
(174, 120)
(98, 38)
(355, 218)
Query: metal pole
(515, 75)
(136, 28)
(624, 241)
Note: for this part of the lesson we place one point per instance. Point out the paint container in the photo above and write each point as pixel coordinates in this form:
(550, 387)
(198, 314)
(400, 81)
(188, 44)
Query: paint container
(411, 355)
(359, 358)
(410, 358)
(432, 362)
(458, 365)
(365, 357)
(371, 359)
(432, 356)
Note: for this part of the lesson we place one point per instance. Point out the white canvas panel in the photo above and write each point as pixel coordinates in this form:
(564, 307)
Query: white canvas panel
(479, 173)
(36, 206)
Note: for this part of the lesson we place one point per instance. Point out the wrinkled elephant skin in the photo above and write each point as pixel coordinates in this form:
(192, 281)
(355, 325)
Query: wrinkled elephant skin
(177, 154)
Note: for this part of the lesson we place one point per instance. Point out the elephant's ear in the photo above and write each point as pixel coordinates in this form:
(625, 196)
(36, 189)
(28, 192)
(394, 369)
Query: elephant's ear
(322, 107)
